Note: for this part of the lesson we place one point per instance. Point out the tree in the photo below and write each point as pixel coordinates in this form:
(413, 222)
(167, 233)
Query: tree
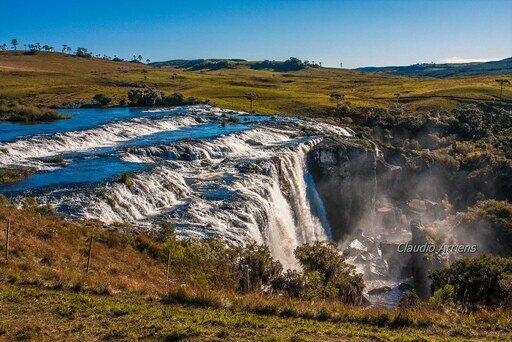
(3, 47)
(64, 48)
(502, 81)
(14, 43)
(327, 273)
(102, 99)
(477, 282)
(397, 95)
(257, 267)
(69, 49)
(144, 97)
(336, 98)
(251, 97)
(82, 52)
(167, 231)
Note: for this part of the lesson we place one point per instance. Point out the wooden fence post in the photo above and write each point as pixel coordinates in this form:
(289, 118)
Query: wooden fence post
(247, 279)
(168, 267)
(7, 236)
(89, 255)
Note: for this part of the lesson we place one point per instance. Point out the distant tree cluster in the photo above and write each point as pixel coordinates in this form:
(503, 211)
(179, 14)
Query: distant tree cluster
(292, 64)
(148, 96)
(33, 48)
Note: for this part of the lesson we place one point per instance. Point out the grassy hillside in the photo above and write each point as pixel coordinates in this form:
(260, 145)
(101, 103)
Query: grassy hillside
(56, 79)
(502, 67)
(124, 297)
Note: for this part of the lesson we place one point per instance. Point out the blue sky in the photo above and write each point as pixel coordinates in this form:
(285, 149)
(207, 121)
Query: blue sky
(357, 33)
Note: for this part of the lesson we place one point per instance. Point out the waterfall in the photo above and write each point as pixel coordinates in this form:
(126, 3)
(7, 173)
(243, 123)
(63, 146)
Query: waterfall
(248, 185)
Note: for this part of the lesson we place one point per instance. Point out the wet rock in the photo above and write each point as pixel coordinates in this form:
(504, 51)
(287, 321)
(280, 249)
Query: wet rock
(389, 217)
(379, 290)
(253, 142)
(357, 245)
(405, 287)
(435, 210)
(201, 120)
(417, 205)
(344, 175)
(365, 301)
(423, 263)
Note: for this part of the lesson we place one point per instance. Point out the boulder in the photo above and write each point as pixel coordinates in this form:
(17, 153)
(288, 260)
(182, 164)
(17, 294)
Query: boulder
(379, 290)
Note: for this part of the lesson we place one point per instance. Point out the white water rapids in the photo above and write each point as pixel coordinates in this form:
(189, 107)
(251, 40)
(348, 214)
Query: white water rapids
(246, 185)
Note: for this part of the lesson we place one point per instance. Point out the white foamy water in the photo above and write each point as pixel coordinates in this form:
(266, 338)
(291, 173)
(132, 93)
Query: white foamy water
(247, 185)
(23, 151)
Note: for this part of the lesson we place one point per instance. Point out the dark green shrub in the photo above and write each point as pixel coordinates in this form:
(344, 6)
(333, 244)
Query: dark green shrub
(477, 282)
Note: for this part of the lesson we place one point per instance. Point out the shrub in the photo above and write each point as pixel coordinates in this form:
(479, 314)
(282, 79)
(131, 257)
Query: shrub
(14, 111)
(263, 269)
(56, 160)
(82, 52)
(291, 283)
(477, 282)
(443, 298)
(167, 231)
(126, 179)
(102, 100)
(488, 224)
(328, 274)
(144, 97)
(14, 174)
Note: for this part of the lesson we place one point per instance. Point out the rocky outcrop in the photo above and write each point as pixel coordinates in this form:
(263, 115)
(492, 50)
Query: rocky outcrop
(345, 177)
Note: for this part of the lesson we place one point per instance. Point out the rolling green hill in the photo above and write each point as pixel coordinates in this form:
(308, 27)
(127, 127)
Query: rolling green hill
(502, 67)
(62, 80)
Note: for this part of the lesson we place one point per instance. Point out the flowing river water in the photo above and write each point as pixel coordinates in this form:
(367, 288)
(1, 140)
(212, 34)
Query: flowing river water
(241, 181)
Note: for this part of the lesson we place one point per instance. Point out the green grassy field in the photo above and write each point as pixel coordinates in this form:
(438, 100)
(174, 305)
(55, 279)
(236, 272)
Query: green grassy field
(55, 79)
(46, 295)
(30, 313)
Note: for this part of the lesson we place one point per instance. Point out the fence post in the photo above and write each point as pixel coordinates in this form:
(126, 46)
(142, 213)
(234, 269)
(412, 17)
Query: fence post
(7, 235)
(89, 255)
(167, 270)
(247, 281)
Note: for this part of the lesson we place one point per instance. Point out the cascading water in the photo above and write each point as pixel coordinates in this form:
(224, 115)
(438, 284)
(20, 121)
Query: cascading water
(245, 182)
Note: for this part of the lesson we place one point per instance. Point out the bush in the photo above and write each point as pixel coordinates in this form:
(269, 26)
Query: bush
(476, 282)
(144, 97)
(102, 100)
(292, 283)
(14, 174)
(126, 179)
(328, 274)
(167, 231)
(82, 52)
(14, 111)
(488, 224)
(443, 298)
(263, 269)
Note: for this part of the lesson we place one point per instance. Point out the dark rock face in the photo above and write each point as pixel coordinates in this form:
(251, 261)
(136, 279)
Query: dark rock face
(423, 263)
(345, 177)
(379, 290)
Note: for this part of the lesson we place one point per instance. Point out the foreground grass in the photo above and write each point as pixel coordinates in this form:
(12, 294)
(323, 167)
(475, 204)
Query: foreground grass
(42, 314)
(56, 80)
(46, 295)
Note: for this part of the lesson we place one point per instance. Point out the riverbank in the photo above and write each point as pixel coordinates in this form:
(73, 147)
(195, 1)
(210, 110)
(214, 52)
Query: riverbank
(13, 111)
